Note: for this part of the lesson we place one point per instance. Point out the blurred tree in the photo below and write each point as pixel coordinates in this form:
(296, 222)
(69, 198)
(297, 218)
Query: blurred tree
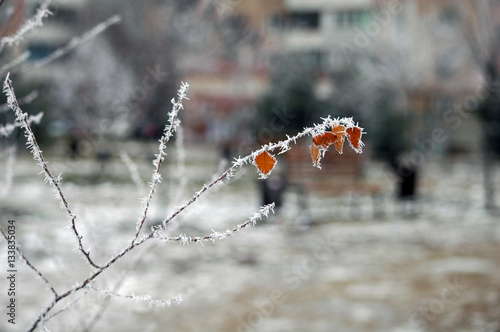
(368, 88)
(164, 39)
(481, 32)
(147, 42)
(291, 94)
(371, 88)
(434, 65)
(94, 97)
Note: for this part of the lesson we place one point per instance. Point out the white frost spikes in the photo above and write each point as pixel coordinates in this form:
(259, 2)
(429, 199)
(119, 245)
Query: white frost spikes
(168, 132)
(184, 239)
(28, 26)
(32, 145)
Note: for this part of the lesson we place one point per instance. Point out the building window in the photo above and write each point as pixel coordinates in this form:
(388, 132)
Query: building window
(304, 20)
(352, 18)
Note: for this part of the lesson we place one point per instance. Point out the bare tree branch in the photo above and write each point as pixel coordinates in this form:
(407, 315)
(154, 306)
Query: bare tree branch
(75, 42)
(31, 24)
(40, 275)
(38, 156)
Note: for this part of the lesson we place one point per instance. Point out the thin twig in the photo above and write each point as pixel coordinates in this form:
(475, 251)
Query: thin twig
(75, 42)
(116, 288)
(144, 298)
(31, 24)
(181, 165)
(38, 156)
(170, 127)
(15, 62)
(9, 171)
(21, 101)
(134, 173)
(44, 313)
(26, 260)
(215, 236)
(66, 307)
(8, 128)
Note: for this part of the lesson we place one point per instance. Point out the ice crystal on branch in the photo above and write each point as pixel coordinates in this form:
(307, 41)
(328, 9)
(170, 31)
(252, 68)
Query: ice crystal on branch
(75, 42)
(32, 145)
(21, 101)
(134, 173)
(339, 129)
(15, 62)
(139, 298)
(214, 236)
(7, 129)
(168, 132)
(35, 22)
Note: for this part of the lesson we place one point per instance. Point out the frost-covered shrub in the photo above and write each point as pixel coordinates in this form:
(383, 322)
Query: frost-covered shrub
(328, 132)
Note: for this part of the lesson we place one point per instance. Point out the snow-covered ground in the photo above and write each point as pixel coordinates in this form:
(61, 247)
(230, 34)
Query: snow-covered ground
(436, 270)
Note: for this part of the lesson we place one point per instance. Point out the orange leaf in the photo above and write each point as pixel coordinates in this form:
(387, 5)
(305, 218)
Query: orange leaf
(325, 140)
(265, 163)
(354, 134)
(315, 155)
(339, 131)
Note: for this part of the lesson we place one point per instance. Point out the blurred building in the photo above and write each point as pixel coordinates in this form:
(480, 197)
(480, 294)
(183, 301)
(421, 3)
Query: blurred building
(224, 88)
(437, 40)
(317, 28)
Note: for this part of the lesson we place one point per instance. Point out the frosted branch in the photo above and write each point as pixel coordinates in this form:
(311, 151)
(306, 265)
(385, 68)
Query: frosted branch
(181, 164)
(102, 308)
(15, 62)
(41, 317)
(134, 173)
(66, 307)
(31, 24)
(32, 145)
(9, 171)
(21, 101)
(75, 42)
(7, 129)
(40, 275)
(139, 298)
(184, 239)
(170, 127)
(283, 147)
